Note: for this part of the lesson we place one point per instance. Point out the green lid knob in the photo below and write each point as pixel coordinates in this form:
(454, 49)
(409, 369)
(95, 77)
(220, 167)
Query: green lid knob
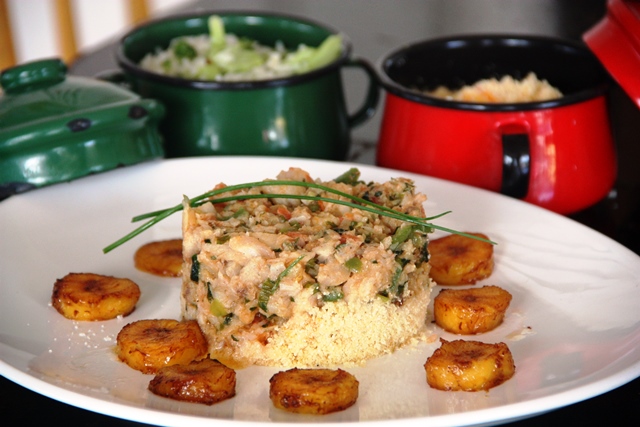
(33, 75)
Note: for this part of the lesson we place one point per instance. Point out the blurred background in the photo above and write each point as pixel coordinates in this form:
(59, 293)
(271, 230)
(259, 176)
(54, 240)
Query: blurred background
(35, 29)
(84, 34)
(66, 28)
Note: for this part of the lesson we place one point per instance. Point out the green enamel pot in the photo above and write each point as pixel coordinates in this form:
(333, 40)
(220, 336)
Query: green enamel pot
(55, 127)
(302, 116)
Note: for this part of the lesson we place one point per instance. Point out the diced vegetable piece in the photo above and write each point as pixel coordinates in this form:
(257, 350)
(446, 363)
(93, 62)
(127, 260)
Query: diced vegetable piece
(349, 177)
(307, 58)
(401, 235)
(333, 295)
(182, 49)
(327, 52)
(217, 308)
(217, 33)
(312, 267)
(354, 264)
(269, 287)
(208, 72)
(237, 59)
(195, 268)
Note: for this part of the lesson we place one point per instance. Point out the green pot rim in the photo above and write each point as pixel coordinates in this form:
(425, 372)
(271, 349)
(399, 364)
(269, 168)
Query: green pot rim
(134, 69)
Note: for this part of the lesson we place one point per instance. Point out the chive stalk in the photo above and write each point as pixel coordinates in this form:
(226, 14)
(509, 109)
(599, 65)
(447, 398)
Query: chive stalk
(354, 202)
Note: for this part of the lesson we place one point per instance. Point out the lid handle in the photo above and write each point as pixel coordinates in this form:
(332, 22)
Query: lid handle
(32, 75)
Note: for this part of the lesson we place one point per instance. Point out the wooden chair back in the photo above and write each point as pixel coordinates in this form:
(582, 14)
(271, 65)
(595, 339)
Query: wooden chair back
(67, 41)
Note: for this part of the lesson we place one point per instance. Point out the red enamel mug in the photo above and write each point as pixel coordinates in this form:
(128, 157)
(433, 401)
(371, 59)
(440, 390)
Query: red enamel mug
(558, 154)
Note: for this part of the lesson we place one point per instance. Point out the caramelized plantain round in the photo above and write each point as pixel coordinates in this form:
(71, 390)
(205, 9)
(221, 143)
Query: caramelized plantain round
(470, 311)
(148, 345)
(460, 260)
(313, 391)
(469, 366)
(162, 258)
(205, 381)
(88, 296)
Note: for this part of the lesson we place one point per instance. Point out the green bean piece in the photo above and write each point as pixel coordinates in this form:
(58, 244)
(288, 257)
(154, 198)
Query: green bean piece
(349, 177)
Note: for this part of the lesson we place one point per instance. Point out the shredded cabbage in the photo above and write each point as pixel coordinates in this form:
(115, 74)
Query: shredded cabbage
(221, 56)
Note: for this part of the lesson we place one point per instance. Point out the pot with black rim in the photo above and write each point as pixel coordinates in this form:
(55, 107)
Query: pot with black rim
(558, 154)
(303, 115)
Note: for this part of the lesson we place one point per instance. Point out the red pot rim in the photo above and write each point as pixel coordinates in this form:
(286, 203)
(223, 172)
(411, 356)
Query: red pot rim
(482, 41)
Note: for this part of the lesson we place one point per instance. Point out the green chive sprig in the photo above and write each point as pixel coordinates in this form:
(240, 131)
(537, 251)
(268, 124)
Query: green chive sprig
(352, 202)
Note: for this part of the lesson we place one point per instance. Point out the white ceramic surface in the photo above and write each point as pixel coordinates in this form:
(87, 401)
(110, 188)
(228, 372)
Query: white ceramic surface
(573, 324)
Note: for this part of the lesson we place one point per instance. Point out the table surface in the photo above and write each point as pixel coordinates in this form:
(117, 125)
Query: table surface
(375, 28)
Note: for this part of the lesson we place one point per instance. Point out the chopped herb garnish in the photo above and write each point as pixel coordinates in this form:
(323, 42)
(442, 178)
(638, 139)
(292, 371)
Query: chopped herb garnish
(269, 287)
(352, 202)
(209, 293)
(396, 287)
(354, 264)
(195, 268)
(314, 206)
(349, 177)
(333, 295)
(395, 280)
(384, 297)
(291, 226)
(240, 212)
(217, 308)
(227, 319)
(400, 236)
(223, 239)
(182, 49)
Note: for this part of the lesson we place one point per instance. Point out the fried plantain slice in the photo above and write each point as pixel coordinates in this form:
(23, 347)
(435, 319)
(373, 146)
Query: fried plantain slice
(469, 366)
(471, 311)
(162, 258)
(148, 345)
(205, 381)
(88, 296)
(460, 260)
(313, 391)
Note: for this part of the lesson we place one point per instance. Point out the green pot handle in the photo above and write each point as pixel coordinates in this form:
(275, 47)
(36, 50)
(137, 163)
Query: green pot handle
(370, 104)
(33, 75)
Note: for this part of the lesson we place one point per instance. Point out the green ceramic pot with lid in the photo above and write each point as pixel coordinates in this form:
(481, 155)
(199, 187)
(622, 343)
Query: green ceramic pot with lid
(55, 127)
(304, 115)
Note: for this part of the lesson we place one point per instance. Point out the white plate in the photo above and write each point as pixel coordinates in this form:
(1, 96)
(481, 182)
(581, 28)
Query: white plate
(575, 292)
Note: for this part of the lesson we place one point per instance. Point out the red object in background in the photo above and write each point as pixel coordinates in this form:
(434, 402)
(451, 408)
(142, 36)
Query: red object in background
(615, 40)
(556, 154)
(571, 159)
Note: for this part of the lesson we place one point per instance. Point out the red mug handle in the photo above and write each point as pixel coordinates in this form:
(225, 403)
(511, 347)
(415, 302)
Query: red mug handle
(516, 165)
